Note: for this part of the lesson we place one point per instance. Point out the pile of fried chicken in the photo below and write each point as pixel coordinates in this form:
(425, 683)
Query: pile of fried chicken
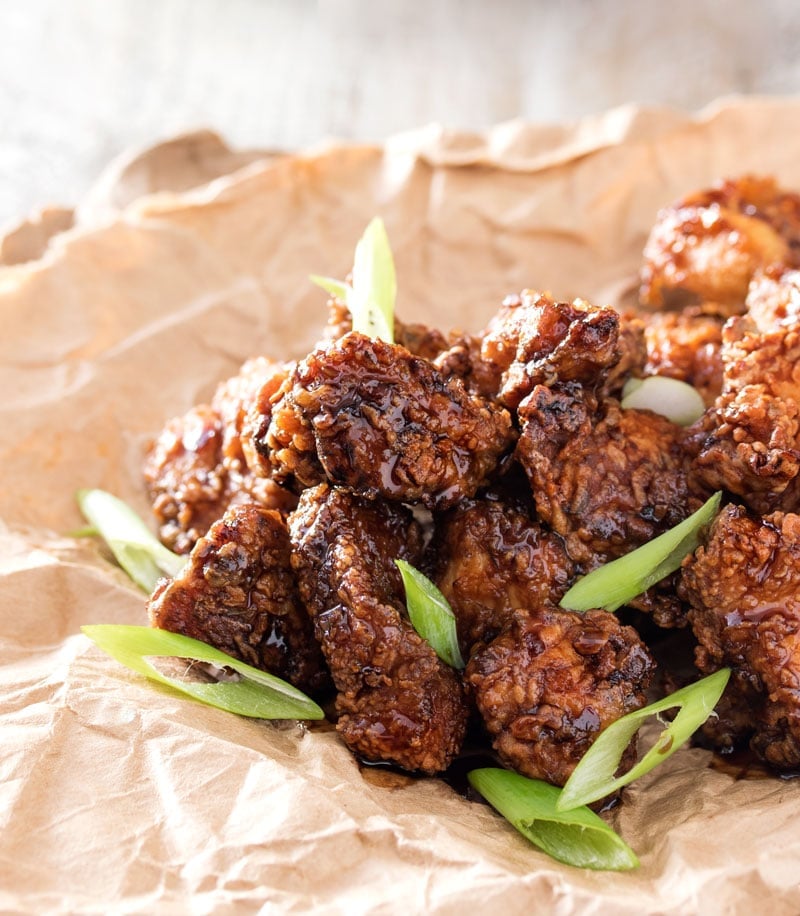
(503, 466)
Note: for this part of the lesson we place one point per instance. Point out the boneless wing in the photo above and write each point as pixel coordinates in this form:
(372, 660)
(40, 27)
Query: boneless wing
(491, 556)
(749, 441)
(238, 593)
(603, 478)
(705, 249)
(744, 588)
(371, 417)
(397, 702)
(552, 681)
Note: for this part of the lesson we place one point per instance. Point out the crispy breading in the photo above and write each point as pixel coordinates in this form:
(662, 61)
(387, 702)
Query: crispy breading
(368, 415)
(238, 593)
(705, 248)
(397, 701)
(552, 681)
(604, 478)
(744, 588)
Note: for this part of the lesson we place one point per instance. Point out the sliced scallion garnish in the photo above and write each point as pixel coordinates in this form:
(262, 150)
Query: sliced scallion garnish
(615, 583)
(593, 778)
(137, 550)
(337, 288)
(258, 695)
(670, 397)
(430, 614)
(371, 298)
(577, 837)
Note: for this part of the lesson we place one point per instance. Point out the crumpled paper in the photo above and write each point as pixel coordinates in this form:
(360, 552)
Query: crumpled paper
(117, 796)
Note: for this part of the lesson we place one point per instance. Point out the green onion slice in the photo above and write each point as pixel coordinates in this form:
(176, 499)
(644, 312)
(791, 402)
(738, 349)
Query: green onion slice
(615, 583)
(338, 289)
(578, 837)
(371, 298)
(258, 695)
(670, 397)
(593, 777)
(430, 614)
(137, 550)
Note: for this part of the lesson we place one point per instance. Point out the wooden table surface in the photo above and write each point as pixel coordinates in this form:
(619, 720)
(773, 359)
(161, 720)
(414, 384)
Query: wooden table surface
(83, 80)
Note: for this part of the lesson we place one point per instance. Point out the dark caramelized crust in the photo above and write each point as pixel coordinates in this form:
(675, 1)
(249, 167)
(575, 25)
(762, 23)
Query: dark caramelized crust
(397, 701)
(537, 341)
(463, 359)
(773, 298)
(749, 441)
(372, 417)
(238, 594)
(186, 479)
(686, 345)
(201, 463)
(705, 249)
(604, 478)
(552, 681)
(491, 557)
(744, 588)
(232, 400)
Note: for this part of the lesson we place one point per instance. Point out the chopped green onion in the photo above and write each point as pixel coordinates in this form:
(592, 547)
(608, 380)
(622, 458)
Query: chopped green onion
(371, 298)
(615, 583)
(430, 614)
(670, 397)
(577, 837)
(336, 288)
(137, 550)
(87, 531)
(258, 695)
(593, 777)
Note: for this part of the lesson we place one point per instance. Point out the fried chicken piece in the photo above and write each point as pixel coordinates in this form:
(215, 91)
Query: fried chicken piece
(397, 701)
(256, 381)
(198, 465)
(552, 681)
(492, 556)
(370, 416)
(463, 360)
(704, 249)
(237, 593)
(686, 345)
(773, 298)
(535, 340)
(603, 478)
(749, 441)
(744, 588)
(186, 479)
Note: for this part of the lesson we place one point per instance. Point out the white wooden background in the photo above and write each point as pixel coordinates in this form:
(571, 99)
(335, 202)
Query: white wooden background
(82, 80)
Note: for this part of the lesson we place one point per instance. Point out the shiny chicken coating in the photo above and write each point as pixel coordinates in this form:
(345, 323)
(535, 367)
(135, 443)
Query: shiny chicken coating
(198, 465)
(744, 588)
(186, 479)
(705, 249)
(773, 298)
(749, 442)
(604, 478)
(370, 416)
(238, 593)
(397, 701)
(552, 681)
(686, 345)
(492, 556)
(538, 341)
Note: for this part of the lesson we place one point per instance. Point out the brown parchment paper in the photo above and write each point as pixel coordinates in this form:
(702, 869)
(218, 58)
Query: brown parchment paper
(117, 797)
